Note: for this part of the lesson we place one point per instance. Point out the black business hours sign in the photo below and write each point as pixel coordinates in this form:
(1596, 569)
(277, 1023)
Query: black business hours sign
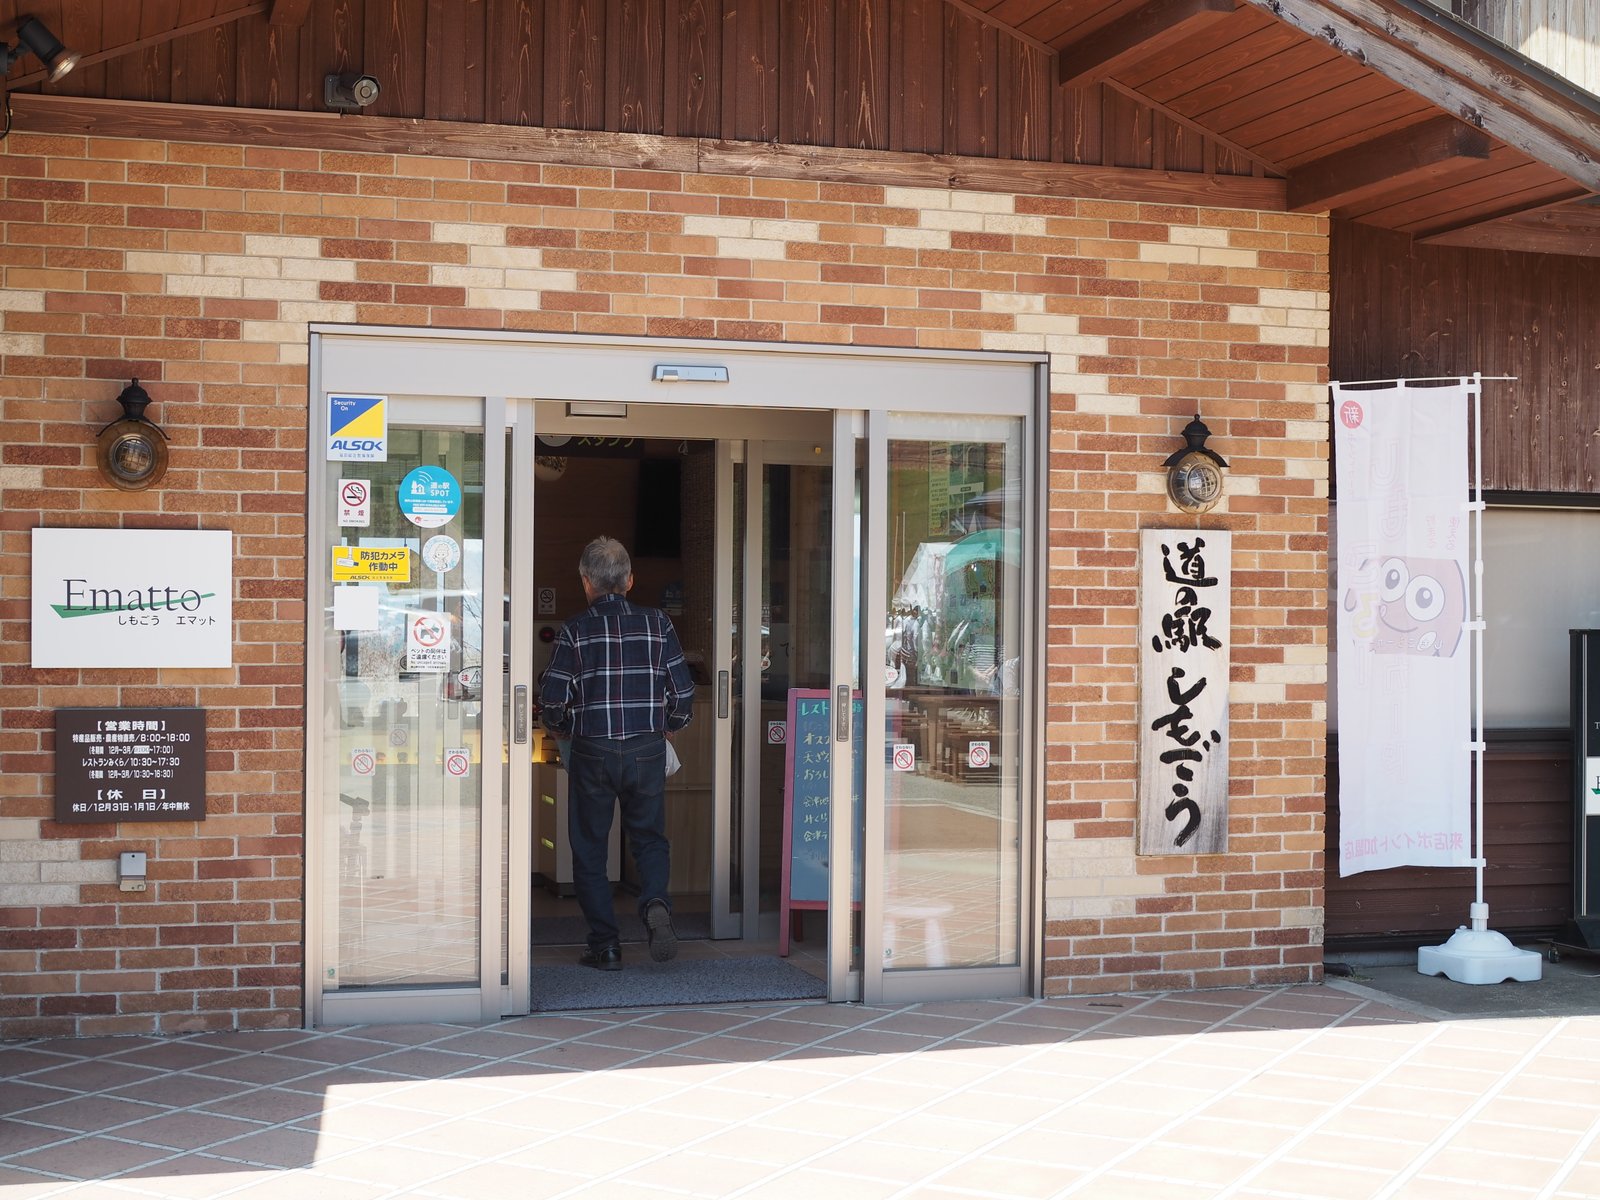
(130, 764)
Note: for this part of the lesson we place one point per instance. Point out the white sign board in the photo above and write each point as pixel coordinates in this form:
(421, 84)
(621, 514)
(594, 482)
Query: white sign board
(132, 598)
(1185, 632)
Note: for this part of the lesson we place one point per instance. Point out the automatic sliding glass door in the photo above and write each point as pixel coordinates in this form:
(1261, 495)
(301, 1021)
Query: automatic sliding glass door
(405, 722)
(948, 646)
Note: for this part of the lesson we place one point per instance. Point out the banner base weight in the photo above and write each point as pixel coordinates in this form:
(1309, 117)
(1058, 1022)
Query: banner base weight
(1479, 956)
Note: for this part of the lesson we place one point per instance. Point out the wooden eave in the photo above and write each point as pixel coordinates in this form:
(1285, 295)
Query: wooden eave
(1305, 85)
(1445, 130)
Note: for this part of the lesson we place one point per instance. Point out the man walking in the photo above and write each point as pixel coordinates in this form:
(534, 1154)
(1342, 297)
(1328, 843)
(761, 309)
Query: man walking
(618, 686)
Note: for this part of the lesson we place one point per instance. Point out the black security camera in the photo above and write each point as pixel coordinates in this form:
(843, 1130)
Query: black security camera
(349, 92)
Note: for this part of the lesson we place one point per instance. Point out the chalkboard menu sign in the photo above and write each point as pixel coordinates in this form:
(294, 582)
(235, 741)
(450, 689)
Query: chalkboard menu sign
(130, 764)
(807, 781)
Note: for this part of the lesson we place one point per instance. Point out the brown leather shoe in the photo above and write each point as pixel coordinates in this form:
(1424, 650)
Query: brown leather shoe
(602, 958)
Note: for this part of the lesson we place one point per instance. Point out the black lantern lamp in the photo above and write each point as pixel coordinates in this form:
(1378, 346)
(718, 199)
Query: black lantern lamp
(132, 450)
(1194, 473)
(46, 47)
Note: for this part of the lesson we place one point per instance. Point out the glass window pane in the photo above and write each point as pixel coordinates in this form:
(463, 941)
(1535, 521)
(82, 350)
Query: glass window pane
(1541, 578)
(400, 740)
(951, 657)
(1525, 646)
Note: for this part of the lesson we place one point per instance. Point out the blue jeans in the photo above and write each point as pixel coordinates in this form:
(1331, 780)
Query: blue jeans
(602, 772)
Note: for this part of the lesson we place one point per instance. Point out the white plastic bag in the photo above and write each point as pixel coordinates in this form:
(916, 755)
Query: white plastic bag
(672, 760)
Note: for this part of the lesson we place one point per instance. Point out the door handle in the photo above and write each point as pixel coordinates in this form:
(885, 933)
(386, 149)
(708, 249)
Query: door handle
(724, 688)
(519, 714)
(841, 710)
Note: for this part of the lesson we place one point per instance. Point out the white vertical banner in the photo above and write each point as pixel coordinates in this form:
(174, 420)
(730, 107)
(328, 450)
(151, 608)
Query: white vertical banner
(1185, 640)
(1402, 593)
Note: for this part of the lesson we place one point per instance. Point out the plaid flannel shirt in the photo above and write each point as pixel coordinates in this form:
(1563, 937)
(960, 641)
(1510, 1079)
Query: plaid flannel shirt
(617, 670)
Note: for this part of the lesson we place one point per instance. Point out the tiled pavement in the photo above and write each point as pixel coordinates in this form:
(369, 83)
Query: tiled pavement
(1292, 1092)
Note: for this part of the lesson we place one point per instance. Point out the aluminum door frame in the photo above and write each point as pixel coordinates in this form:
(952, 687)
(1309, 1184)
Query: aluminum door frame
(517, 997)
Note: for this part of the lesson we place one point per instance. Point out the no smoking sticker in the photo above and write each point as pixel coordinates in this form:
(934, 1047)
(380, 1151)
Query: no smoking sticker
(978, 755)
(456, 762)
(355, 502)
(363, 762)
(905, 756)
(777, 733)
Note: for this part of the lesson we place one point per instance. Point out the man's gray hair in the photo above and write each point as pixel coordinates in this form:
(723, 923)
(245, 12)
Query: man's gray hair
(605, 563)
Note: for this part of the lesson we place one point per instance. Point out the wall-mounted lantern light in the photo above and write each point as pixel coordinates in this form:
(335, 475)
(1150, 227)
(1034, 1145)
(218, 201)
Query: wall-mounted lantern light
(47, 48)
(132, 450)
(1194, 474)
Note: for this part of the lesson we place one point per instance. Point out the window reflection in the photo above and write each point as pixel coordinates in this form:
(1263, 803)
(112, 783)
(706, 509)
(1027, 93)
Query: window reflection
(952, 678)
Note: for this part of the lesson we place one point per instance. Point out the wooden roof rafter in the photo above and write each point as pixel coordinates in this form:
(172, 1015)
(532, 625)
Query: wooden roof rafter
(1447, 232)
(1156, 27)
(1424, 151)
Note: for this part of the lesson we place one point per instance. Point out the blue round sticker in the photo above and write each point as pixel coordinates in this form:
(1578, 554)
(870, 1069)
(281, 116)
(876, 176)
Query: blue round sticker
(430, 497)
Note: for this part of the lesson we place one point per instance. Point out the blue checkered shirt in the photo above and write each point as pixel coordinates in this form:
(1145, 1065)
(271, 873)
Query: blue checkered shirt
(617, 671)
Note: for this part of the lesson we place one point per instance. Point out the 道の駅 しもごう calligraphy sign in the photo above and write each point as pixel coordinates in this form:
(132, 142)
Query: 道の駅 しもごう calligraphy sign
(1184, 636)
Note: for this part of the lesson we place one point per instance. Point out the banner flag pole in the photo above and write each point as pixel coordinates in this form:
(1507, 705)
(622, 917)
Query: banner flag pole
(1478, 954)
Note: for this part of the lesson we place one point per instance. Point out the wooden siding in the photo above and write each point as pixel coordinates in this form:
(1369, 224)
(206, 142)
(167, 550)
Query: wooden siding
(1401, 309)
(1563, 35)
(797, 72)
(1528, 880)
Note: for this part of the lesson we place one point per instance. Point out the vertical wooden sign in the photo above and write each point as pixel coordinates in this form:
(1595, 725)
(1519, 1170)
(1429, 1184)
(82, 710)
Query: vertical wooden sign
(1185, 630)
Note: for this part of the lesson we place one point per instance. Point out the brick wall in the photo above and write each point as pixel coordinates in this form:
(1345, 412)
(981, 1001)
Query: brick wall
(197, 268)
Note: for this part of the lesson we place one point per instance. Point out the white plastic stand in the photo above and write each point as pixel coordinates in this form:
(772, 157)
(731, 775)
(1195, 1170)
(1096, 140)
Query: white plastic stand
(1478, 954)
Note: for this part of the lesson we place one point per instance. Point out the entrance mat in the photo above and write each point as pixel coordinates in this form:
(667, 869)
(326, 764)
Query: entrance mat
(574, 931)
(561, 987)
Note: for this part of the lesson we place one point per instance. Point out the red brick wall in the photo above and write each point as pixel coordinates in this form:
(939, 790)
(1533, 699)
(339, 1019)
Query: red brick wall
(198, 267)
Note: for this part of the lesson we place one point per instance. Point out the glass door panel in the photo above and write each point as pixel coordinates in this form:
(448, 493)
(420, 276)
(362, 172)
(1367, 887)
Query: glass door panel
(401, 737)
(950, 655)
(788, 573)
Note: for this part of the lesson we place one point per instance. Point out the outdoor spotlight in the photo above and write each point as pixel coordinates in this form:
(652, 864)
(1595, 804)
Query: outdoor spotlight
(46, 47)
(349, 92)
(1194, 473)
(132, 450)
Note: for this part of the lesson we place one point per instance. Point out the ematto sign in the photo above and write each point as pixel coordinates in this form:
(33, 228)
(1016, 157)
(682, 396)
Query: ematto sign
(132, 598)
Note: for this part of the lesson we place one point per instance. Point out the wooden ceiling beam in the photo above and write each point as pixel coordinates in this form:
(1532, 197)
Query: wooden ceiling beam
(646, 152)
(1396, 160)
(1562, 230)
(1156, 27)
(1461, 72)
(289, 12)
(1443, 233)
